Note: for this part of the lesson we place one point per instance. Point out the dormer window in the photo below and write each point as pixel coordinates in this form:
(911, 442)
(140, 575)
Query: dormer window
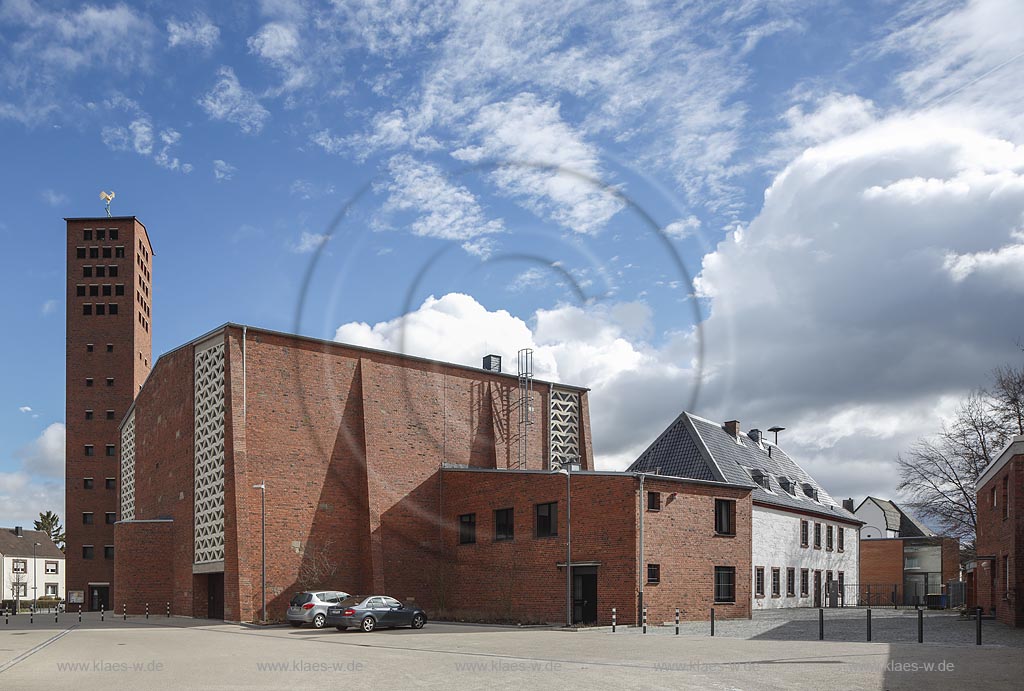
(810, 491)
(761, 478)
(786, 484)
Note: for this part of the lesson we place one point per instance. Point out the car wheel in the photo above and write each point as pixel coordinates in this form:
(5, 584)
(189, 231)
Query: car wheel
(418, 621)
(368, 624)
(319, 621)
(341, 628)
(296, 624)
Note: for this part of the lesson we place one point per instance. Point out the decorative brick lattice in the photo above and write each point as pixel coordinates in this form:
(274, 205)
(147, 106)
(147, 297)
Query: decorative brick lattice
(209, 454)
(565, 426)
(128, 469)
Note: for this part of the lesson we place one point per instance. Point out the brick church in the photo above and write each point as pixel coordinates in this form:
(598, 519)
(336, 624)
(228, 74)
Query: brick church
(380, 472)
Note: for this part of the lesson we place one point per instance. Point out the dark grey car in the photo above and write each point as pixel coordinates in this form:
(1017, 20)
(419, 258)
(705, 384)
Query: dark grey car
(375, 611)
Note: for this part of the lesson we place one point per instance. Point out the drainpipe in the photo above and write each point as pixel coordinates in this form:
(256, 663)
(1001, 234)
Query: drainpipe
(640, 564)
(245, 427)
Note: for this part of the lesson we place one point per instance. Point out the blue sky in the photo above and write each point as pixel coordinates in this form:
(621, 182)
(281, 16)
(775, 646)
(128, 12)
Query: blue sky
(843, 183)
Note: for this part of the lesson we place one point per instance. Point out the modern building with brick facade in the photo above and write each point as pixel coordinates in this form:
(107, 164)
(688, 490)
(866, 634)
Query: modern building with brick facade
(995, 580)
(902, 561)
(109, 264)
(804, 547)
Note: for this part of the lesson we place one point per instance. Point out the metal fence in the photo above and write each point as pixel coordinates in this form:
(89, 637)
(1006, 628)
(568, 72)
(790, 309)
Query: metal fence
(895, 595)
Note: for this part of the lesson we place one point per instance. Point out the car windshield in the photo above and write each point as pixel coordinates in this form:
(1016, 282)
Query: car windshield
(301, 599)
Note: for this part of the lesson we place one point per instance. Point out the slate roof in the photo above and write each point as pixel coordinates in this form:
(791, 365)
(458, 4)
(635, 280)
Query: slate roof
(899, 520)
(13, 546)
(701, 449)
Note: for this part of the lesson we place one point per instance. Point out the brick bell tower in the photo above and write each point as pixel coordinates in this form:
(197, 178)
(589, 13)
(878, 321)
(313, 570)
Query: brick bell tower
(109, 355)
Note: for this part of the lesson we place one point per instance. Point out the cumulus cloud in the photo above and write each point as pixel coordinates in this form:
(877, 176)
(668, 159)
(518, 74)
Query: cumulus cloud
(635, 389)
(53, 198)
(442, 208)
(198, 31)
(25, 409)
(140, 135)
(229, 100)
(683, 228)
(45, 454)
(222, 170)
(22, 497)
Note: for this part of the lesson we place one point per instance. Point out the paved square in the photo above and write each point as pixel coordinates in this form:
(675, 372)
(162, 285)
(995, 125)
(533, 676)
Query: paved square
(173, 653)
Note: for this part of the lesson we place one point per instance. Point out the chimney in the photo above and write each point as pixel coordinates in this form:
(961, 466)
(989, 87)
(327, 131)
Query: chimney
(492, 363)
(848, 504)
(18, 532)
(755, 434)
(733, 428)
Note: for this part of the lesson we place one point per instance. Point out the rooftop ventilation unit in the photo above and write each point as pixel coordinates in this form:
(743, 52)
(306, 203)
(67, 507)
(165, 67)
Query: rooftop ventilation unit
(492, 363)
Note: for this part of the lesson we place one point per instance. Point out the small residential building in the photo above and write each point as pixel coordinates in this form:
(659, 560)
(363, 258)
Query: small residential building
(804, 547)
(31, 566)
(903, 561)
(995, 579)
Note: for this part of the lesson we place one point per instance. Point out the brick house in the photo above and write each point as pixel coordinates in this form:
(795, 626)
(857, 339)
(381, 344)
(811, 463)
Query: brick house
(803, 544)
(995, 579)
(902, 560)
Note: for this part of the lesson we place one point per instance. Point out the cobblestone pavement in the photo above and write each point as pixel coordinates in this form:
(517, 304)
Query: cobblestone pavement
(849, 624)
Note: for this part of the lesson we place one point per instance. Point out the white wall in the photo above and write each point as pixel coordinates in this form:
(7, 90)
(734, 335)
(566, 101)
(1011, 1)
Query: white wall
(874, 521)
(776, 543)
(41, 577)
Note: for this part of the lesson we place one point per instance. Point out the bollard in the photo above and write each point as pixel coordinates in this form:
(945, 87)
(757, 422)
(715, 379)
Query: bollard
(677, 621)
(712, 621)
(147, 610)
(124, 610)
(31, 614)
(869, 625)
(978, 614)
(645, 620)
(613, 620)
(920, 626)
(821, 624)
(101, 613)
(56, 613)
(168, 610)
(79, 614)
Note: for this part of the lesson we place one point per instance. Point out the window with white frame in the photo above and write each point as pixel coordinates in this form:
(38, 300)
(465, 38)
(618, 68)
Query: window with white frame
(51, 590)
(20, 589)
(19, 566)
(51, 567)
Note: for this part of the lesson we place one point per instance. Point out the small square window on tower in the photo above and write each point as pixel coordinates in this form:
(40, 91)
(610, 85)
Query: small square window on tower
(119, 289)
(101, 234)
(101, 309)
(87, 235)
(80, 291)
(94, 291)
(113, 233)
(110, 347)
(80, 252)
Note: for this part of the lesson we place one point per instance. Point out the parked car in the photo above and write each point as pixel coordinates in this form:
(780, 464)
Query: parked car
(310, 607)
(375, 611)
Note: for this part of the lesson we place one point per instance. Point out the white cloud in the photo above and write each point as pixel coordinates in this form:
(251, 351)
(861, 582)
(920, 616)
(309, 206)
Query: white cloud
(635, 390)
(309, 242)
(53, 198)
(683, 228)
(275, 42)
(222, 170)
(530, 278)
(542, 161)
(199, 32)
(25, 409)
(307, 189)
(23, 498)
(819, 119)
(45, 454)
(141, 132)
(229, 100)
(443, 209)
(140, 135)
(49, 307)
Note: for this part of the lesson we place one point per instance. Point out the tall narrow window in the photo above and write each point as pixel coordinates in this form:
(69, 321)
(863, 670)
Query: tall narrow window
(759, 581)
(840, 538)
(654, 573)
(546, 519)
(467, 528)
(504, 524)
(1006, 496)
(817, 536)
(725, 517)
(790, 582)
(725, 584)
(828, 538)
(803, 534)
(776, 585)
(804, 584)
(654, 501)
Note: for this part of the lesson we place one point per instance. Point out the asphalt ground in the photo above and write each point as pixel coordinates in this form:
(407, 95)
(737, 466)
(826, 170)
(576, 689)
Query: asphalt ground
(164, 653)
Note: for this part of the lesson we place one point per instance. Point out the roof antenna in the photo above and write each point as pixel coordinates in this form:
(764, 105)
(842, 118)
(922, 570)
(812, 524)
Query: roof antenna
(776, 430)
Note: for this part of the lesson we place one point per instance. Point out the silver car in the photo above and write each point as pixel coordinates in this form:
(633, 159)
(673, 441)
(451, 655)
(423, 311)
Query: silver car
(310, 607)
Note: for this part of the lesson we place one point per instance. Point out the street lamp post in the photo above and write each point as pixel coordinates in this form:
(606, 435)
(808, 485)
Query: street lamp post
(262, 487)
(34, 569)
(567, 469)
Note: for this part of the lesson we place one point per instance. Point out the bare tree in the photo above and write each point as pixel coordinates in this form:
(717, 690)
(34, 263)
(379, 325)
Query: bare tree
(1008, 397)
(18, 580)
(319, 568)
(940, 475)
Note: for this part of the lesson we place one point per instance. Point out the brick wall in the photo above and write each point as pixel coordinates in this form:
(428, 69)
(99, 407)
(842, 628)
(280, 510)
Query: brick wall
(1002, 538)
(144, 571)
(881, 564)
